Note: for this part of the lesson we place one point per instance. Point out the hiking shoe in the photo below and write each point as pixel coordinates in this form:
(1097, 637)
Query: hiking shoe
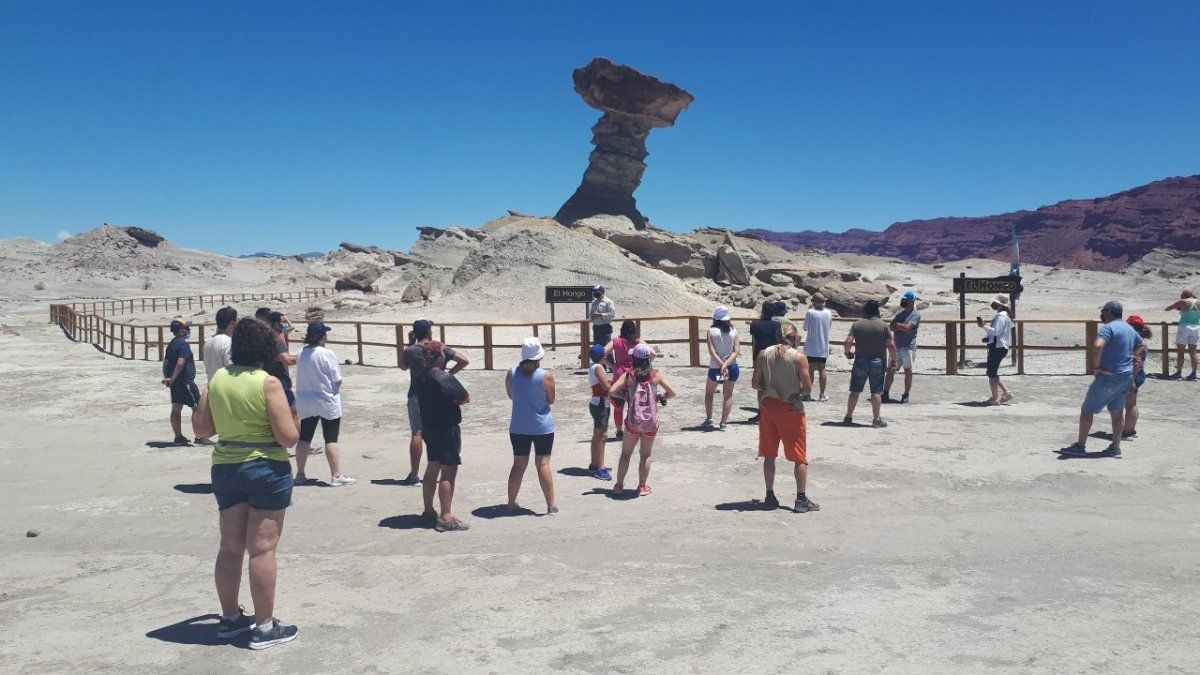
(301, 479)
(804, 505)
(231, 629)
(1112, 451)
(1192, 377)
(182, 441)
(823, 399)
(1073, 450)
(604, 473)
(724, 427)
(412, 479)
(847, 421)
(878, 424)
(339, 481)
(707, 422)
(205, 441)
(452, 525)
(552, 511)
(807, 398)
(1132, 433)
(277, 635)
(771, 502)
(904, 398)
(643, 490)
(1177, 375)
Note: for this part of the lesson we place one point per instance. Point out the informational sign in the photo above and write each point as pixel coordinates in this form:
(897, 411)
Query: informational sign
(989, 285)
(582, 294)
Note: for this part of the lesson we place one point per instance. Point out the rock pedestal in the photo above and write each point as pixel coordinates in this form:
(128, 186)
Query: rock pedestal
(632, 104)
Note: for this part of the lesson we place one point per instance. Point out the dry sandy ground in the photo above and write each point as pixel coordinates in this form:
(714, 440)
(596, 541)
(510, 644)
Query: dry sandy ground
(953, 541)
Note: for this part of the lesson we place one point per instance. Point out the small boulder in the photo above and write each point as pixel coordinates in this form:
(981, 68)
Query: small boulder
(361, 278)
(418, 290)
(730, 264)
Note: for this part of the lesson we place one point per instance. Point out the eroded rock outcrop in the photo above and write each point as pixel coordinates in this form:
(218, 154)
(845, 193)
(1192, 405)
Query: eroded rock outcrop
(361, 278)
(674, 254)
(633, 104)
(417, 290)
(145, 237)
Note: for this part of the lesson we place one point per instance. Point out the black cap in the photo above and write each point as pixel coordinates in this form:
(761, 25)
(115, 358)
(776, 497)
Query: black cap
(422, 326)
(871, 308)
(178, 325)
(316, 328)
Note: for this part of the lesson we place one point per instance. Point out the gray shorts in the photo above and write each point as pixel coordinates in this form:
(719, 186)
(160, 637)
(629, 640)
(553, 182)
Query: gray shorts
(414, 415)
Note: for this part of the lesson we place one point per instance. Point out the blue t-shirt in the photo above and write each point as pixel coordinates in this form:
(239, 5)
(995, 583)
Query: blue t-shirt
(179, 349)
(1119, 341)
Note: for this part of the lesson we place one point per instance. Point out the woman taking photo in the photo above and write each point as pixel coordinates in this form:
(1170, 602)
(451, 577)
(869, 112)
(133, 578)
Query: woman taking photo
(251, 479)
(999, 337)
(319, 399)
(724, 346)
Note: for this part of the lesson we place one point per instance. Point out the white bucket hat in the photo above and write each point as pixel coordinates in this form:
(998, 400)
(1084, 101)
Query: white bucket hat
(721, 314)
(531, 349)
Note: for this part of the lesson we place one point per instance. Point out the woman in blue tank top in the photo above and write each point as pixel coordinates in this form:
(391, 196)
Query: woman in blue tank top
(532, 426)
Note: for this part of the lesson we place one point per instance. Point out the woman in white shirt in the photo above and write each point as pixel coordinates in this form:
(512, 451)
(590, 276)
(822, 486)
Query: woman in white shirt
(319, 399)
(999, 336)
(723, 349)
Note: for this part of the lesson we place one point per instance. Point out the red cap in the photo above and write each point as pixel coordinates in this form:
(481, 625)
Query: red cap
(1136, 321)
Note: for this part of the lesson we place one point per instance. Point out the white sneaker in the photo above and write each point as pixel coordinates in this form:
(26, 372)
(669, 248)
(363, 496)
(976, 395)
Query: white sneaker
(823, 398)
(339, 481)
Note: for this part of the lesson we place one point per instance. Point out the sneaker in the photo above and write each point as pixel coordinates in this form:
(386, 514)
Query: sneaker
(904, 398)
(452, 525)
(724, 427)
(807, 398)
(552, 511)
(823, 399)
(411, 479)
(277, 635)
(707, 422)
(847, 421)
(643, 490)
(771, 502)
(315, 449)
(887, 398)
(231, 629)
(879, 424)
(205, 441)
(301, 479)
(1006, 397)
(1192, 377)
(1177, 375)
(804, 505)
(604, 473)
(620, 434)
(618, 489)
(182, 441)
(339, 481)
(1073, 450)
(1125, 435)
(1112, 451)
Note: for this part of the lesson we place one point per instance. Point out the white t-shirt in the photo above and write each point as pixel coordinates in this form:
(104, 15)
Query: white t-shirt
(217, 354)
(723, 343)
(817, 323)
(999, 331)
(317, 394)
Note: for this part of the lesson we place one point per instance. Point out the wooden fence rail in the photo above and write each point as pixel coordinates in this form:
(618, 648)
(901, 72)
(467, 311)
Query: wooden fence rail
(83, 322)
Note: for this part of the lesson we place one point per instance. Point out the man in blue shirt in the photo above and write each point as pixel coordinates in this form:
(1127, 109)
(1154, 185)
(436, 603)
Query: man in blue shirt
(179, 374)
(1113, 359)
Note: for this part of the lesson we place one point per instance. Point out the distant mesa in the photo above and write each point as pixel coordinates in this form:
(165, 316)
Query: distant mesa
(1107, 233)
(633, 104)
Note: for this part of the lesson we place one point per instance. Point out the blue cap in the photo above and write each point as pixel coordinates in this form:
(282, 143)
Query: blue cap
(317, 328)
(596, 351)
(909, 295)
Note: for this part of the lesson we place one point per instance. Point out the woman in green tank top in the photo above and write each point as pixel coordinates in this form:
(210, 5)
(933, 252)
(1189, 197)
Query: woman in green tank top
(251, 479)
(1187, 335)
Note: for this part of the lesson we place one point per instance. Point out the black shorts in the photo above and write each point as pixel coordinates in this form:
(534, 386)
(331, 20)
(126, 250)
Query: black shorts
(443, 446)
(817, 360)
(994, 358)
(521, 443)
(599, 415)
(601, 334)
(185, 393)
(329, 429)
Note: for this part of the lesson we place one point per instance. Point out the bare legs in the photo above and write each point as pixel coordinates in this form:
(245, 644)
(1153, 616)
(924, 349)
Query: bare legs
(710, 390)
(243, 530)
(414, 455)
(1131, 412)
(177, 414)
(331, 455)
(998, 388)
(544, 474)
(1085, 427)
(599, 439)
(824, 379)
(430, 485)
(801, 473)
(852, 403)
(627, 446)
(439, 482)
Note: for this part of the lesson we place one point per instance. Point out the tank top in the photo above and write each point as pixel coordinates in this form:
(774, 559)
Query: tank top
(531, 414)
(723, 343)
(598, 396)
(239, 411)
(779, 377)
(621, 357)
(1191, 316)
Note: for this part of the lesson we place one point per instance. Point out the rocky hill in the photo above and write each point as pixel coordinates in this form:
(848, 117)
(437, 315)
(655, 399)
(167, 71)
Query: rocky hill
(1107, 233)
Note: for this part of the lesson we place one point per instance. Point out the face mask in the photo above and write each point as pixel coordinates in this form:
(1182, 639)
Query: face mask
(285, 327)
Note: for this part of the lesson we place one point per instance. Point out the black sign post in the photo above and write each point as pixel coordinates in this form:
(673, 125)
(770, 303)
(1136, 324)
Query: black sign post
(570, 295)
(1007, 285)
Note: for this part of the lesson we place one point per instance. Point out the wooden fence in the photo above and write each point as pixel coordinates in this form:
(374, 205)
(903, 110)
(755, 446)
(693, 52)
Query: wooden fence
(84, 322)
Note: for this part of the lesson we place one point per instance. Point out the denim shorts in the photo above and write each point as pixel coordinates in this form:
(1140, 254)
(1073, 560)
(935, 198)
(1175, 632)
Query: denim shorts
(599, 415)
(1107, 391)
(867, 368)
(734, 373)
(265, 484)
(414, 415)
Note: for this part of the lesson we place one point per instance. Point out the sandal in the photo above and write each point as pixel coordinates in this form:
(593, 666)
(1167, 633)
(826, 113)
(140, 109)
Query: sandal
(618, 489)
(1006, 397)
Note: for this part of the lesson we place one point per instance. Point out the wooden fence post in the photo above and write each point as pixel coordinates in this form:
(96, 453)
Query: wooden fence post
(1089, 338)
(1166, 350)
(584, 344)
(358, 334)
(399, 345)
(145, 343)
(487, 346)
(1020, 347)
(200, 342)
(160, 343)
(951, 348)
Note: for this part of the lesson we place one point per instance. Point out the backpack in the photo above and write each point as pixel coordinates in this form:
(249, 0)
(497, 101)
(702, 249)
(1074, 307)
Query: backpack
(641, 407)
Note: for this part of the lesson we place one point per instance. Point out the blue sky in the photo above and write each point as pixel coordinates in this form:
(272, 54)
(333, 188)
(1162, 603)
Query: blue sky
(292, 126)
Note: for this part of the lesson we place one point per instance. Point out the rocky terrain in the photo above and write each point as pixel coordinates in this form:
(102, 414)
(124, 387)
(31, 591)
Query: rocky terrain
(1107, 233)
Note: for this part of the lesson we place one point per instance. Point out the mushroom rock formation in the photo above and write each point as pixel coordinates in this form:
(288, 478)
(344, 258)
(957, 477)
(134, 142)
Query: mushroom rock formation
(632, 104)
(145, 237)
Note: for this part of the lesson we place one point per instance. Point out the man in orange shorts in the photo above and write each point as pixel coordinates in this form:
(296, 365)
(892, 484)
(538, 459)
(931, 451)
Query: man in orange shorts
(782, 376)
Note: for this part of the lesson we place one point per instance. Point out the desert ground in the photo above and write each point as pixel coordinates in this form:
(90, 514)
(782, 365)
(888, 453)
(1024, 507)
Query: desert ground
(955, 540)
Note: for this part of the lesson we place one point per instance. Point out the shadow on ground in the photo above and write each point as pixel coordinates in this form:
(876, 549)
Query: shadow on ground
(198, 630)
(751, 505)
(408, 521)
(195, 488)
(625, 495)
(500, 511)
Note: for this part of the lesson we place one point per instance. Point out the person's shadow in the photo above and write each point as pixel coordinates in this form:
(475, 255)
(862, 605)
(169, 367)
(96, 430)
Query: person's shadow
(407, 521)
(389, 481)
(626, 495)
(839, 423)
(198, 630)
(701, 428)
(976, 404)
(751, 505)
(195, 488)
(575, 471)
(162, 445)
(500, 511)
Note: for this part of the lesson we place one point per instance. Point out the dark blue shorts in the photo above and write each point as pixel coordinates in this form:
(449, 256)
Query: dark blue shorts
(264, 484)
(734, 373)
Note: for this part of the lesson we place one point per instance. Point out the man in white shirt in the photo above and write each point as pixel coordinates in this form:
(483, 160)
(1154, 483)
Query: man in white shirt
(218, 350)
(602, 313)
(817, 323)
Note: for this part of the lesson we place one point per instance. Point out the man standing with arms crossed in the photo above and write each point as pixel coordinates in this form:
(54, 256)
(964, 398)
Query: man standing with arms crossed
(817, 323)
(602, 312)
(904, 327)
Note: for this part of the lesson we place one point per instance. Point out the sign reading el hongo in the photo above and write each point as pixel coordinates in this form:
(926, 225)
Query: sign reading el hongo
(569, 294)
(1008, 285)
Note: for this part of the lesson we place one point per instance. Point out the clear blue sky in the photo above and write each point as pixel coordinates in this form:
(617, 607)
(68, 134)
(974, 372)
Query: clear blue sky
(292, 126)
